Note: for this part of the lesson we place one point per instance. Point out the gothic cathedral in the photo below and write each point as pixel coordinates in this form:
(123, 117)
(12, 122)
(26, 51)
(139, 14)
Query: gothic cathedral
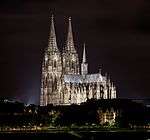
(64, 81)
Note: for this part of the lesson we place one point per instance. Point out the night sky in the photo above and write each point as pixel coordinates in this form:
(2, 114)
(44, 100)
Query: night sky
(116, 33)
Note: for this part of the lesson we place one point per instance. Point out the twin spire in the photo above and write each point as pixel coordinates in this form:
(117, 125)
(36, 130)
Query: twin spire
(52, 37)
(52, 44)
(70, 43)
(52, 29)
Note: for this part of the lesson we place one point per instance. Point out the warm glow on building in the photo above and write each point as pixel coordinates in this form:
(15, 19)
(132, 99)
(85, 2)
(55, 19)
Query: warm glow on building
(64, 80)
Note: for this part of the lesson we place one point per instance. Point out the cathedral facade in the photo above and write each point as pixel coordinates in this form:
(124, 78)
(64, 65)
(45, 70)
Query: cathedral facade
(64, 80)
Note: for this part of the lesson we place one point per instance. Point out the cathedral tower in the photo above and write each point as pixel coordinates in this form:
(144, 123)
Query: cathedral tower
(61, 81)
(51, 71)
(70, 56)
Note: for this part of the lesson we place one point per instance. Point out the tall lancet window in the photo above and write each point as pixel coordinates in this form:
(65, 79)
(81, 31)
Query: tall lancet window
(72, 64)
(55, 84)
(54, 63)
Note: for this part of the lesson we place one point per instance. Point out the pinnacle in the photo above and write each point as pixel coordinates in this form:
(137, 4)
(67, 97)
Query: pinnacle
(52, 17)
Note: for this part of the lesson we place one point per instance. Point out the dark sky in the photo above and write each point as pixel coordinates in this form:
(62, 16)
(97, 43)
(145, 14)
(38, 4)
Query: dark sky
(116, 32)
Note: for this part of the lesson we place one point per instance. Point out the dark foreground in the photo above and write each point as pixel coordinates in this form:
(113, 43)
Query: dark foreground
(75, 135)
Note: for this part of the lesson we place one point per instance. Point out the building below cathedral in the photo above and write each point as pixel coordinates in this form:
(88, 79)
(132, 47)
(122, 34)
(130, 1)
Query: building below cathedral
(64, 80)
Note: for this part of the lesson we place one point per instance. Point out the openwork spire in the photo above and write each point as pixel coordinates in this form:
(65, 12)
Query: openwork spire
(70, 43)
(84, 65)
(84, 55)
(52, 44)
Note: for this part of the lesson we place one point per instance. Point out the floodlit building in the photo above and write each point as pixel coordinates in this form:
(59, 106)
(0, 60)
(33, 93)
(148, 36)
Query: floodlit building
(107, 116)
(64, 80)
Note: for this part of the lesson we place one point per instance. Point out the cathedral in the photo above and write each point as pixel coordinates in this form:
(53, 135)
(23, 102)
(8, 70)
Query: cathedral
(64, 80)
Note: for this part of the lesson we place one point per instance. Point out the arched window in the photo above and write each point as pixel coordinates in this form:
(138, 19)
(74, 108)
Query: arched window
(54, 63)
(55, 83)
(72, 64)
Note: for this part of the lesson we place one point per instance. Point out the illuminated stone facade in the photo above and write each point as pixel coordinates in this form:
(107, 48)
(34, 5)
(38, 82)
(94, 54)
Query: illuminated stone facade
(62, 82)
(107, 116)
